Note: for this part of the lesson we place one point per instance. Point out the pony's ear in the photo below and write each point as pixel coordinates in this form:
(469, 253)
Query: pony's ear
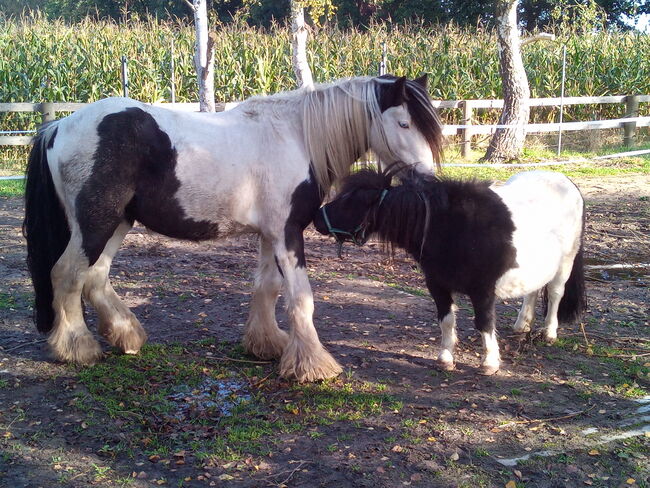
(394, 94)
(422, 80)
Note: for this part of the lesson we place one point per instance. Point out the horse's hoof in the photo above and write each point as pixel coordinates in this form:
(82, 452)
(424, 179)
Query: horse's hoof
(488, 370)
(550, 340)
(308, 365)
(446, 365)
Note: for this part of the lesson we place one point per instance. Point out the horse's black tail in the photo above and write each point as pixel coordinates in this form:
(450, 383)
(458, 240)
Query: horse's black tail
(574, 301)
(45, 226)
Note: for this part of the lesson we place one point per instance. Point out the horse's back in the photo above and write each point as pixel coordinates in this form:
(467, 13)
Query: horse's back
(547, 211)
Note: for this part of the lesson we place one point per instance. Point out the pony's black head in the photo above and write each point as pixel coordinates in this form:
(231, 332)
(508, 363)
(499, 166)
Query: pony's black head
(393, 91)
(351, 215)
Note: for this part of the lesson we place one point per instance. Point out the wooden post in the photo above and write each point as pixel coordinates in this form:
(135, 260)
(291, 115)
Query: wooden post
(466, 134)
(629, 128)
(47, 111)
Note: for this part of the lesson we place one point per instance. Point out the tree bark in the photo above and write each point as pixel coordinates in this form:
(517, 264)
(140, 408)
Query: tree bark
(508, 144)
(203, 55)
(299, 46)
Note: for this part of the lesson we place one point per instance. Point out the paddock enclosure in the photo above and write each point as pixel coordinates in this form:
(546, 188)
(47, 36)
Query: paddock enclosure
(193, 410)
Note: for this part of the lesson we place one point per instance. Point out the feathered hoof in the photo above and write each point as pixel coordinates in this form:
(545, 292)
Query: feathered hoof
(488, 370)
(265, 346)
(446, 365)
(128, 337)
(306, 366)
(81, 349)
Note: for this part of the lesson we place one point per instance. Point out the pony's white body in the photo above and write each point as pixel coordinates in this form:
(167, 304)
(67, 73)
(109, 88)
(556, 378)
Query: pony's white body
(262, 167)
(546, 209)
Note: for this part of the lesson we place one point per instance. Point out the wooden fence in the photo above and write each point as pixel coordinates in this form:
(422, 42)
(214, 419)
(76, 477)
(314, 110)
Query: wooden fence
(466, 129)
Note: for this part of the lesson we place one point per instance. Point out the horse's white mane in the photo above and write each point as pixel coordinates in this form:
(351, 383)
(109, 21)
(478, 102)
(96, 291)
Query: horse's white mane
(336, 123)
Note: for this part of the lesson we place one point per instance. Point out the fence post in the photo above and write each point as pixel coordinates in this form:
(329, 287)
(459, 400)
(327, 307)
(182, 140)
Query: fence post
(631, 110)
(466, 134)
(47, 111)
(125, 77)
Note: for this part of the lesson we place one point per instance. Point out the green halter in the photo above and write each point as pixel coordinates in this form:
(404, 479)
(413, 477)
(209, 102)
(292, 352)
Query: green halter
(358, 235)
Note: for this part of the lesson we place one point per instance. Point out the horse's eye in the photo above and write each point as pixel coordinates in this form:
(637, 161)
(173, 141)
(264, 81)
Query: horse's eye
(403, 124)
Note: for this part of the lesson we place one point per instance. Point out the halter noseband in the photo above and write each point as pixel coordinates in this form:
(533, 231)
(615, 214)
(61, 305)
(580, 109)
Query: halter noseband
(358, 235)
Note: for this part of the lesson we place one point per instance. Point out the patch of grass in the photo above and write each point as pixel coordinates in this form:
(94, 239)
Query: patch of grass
(12, 188)
(3, 383)
(6, 301)
(623, 372)
(154, 395)
(634, 165)
(337, 400)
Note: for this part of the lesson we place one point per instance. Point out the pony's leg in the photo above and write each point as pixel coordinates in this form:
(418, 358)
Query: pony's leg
(262, 336)
(304, 358)
(555, 291)
(70, 339)
(116, 322)
(485, 321)
(526, 314)
(447, 321)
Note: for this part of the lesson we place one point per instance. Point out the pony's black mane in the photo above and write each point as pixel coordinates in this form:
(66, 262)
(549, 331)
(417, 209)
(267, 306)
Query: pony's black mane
(404, 217)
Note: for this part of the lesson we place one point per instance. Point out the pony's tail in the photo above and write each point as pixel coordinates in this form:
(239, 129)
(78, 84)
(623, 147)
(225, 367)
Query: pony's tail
(45, 226)
(574, 301)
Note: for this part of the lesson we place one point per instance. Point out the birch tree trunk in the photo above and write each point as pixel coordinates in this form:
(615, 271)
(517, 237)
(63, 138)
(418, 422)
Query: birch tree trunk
(203, 55)
(508, 144)
(299, 46)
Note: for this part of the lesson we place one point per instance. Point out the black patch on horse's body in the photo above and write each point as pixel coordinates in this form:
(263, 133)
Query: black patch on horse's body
(133, 178)
(305, 201)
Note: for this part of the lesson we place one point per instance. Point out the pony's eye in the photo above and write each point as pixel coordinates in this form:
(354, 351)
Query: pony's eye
(403, 124)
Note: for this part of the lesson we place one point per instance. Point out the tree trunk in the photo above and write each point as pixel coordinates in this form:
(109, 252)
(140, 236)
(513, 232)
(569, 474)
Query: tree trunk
(508, 144)
(299, 45)
(204, 56)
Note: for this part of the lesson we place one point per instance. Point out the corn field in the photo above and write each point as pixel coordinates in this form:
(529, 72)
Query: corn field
(45, 60)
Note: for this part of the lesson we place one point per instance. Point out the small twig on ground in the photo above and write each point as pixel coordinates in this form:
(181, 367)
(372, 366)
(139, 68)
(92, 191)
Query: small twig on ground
(551, 419)
(37, 341)
(226, 358)
(584, 334)
(291, 473)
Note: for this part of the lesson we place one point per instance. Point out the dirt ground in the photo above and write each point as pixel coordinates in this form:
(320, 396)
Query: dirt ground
(577, 412)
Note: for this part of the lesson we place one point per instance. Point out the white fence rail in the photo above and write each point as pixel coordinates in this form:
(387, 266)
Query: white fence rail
(466, 129)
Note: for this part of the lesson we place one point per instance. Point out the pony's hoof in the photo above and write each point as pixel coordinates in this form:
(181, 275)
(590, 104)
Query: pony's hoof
(488, 370)
(446, 365)
(550, 340)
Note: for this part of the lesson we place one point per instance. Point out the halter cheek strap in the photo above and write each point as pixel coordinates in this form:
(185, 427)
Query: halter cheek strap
(357, 236)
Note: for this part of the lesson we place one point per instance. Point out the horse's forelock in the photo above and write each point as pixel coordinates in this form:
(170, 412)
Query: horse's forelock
(425, 117)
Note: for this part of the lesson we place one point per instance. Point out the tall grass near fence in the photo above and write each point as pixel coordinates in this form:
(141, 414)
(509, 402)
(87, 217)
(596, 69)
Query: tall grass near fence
(46, 60)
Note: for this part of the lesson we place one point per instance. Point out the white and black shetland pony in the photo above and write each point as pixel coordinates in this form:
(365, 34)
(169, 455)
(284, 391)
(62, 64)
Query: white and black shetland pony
(262, 167)
(470, 237)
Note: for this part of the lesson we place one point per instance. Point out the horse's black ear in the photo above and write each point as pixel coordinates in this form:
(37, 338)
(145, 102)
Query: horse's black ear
(394, 94)
(422, 80)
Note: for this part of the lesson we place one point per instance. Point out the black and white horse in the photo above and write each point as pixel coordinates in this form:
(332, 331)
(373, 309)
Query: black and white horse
(262, 167)
(470, 237)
